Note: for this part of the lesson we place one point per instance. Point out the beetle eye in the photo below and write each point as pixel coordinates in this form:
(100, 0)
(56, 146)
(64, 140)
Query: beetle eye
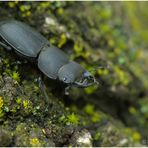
(64, 79)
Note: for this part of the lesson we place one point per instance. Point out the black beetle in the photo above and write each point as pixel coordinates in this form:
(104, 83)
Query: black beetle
(50, 60)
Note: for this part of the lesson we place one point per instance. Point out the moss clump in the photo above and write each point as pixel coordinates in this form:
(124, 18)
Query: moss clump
(72, 118)
(15, 76)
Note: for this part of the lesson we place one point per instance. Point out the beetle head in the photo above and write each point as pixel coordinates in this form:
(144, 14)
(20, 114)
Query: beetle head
(66, 73)
(74, 74)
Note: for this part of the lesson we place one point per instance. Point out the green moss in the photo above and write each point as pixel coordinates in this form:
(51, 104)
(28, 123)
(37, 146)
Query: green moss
(15, 76)
(93, 115)
(96, 117)
(12, 4)
(90, 90)
(97, 136)
(78, 47)
(89, 109)
(132, 110)
(18, 100)
(69, 119)
(73, 118)
(62, 41)
(27, 107)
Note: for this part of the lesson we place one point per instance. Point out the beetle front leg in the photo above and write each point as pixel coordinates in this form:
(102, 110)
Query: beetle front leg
(67, 90)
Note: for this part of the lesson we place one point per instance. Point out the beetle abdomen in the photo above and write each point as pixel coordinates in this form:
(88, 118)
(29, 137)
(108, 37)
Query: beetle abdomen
(23, 38)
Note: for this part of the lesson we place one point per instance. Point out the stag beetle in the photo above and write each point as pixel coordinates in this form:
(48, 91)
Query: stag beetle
(51, 61)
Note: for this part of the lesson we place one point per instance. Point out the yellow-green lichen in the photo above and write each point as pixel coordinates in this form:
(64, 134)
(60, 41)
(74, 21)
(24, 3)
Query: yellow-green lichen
(1, 102)
(34, 142)
(1, 105)
(27, 105)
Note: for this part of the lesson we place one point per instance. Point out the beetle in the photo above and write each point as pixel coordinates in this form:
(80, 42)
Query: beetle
(51, 61)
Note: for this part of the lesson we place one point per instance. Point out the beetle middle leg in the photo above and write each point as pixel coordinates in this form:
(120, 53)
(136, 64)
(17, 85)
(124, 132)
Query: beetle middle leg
(43, 90)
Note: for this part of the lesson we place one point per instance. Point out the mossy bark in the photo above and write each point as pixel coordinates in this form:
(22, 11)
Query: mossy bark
(97, 116)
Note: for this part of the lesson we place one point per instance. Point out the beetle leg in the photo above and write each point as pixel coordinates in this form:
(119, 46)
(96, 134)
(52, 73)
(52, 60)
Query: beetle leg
(67, 90)
(43, 90)
(5, 46)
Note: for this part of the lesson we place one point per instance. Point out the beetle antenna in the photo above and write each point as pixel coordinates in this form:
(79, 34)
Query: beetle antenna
(101, 67)
(95, 68)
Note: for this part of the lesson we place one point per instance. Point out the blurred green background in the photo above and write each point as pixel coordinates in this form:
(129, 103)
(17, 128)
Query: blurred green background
(113, 35)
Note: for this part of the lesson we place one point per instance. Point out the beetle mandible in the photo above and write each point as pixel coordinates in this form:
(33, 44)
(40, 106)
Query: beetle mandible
(52, 61)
